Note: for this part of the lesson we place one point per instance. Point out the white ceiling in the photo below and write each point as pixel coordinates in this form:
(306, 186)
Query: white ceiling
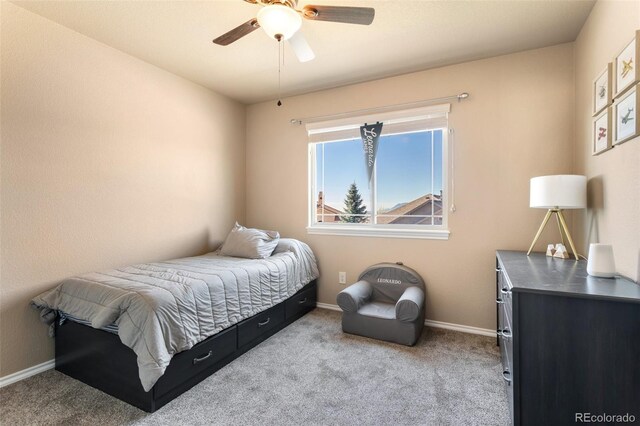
(405, 36)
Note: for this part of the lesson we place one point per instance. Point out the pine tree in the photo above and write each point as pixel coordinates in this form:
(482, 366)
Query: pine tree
(353, 205)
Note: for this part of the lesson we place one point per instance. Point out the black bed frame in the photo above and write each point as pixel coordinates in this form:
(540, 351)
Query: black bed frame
(99, 359)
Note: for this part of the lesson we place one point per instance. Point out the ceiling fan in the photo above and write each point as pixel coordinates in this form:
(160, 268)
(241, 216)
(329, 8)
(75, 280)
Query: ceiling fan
(282, 21)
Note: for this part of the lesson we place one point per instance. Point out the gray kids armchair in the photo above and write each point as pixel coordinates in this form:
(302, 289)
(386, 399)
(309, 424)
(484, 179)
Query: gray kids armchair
(386, 303)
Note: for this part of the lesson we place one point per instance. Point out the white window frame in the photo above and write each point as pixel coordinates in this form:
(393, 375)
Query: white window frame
(403, 124)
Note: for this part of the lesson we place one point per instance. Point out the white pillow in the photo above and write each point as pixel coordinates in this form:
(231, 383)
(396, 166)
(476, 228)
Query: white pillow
(249, 243)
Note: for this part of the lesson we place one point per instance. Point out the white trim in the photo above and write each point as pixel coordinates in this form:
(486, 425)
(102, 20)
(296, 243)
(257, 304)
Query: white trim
(328, 306)
(376, 231)
(445, 177)
(429, 232)
(431, 323)
(26, 373)
(395, 116)
(460, 327)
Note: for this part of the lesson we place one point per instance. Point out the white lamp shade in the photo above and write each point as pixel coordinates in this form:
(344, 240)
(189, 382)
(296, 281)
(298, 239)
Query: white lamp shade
(277, 19)
(558, 192)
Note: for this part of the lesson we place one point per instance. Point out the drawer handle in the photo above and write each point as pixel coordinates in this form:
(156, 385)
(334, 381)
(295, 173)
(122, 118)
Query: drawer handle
(506, 333)
(498, 269)
(506, 375)
(197, 360)
(300, 302)
(260, 324)
(499, 301)
(504, 290)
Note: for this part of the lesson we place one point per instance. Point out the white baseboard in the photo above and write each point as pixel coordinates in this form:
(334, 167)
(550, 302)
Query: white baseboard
(27, 372)
(430, 323)
(462, 328)
(328, 306)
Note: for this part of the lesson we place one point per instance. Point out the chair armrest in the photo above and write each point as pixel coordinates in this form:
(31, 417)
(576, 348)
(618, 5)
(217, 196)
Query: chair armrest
(410, 305)
(353, 297)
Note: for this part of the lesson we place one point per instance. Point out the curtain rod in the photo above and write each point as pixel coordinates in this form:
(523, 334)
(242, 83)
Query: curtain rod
(300, 121)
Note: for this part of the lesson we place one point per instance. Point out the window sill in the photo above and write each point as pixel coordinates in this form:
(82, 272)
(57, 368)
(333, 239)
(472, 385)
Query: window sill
(362, 231)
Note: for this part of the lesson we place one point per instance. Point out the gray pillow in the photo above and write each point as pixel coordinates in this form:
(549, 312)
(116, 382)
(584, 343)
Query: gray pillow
(249, 243)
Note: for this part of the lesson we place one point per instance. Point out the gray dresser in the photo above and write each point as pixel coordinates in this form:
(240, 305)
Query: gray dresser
(570, 343)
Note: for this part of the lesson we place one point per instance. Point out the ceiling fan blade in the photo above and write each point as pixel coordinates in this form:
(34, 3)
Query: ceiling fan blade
(301, 48)
(347, 15)
(238, 32)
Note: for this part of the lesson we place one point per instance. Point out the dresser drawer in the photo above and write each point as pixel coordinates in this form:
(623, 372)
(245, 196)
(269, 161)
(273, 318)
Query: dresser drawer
(504, 309)
(504, 301)
(505, 333)
(506, 345)
(303, 301)
(506, 357)
(501, 315)
(504, 295)
(188, 364)
(509, 386)
(507, 312)
(259, 324)
(506, 354)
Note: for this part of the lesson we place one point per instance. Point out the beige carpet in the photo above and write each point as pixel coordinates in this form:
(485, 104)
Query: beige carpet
(309, 373)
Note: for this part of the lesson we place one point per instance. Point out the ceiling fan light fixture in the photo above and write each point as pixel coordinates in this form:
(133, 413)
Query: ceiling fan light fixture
(278, 20)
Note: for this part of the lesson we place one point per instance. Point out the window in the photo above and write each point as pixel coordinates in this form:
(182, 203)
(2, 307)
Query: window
(406, 196)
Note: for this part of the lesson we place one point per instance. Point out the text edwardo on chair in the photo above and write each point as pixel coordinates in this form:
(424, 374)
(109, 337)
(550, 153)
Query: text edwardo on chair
(557, 193)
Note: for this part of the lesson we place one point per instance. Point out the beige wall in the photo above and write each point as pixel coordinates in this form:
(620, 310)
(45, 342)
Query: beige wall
(518, 123)
(106, 161)
(614, 176)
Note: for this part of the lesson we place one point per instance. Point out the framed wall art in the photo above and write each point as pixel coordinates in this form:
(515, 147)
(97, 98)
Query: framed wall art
(602, 90)
(626, 66)
(625, 112)
(602, 132)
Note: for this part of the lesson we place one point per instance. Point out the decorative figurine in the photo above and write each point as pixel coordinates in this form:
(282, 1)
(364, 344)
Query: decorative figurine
(561, 252)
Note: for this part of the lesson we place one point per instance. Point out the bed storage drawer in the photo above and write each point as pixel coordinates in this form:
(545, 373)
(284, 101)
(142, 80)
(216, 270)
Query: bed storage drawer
(199, 358)
(301, 302)
(254, 327)
(99, 358)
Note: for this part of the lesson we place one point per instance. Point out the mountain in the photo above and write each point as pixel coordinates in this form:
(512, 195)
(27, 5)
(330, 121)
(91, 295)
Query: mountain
(382, 211)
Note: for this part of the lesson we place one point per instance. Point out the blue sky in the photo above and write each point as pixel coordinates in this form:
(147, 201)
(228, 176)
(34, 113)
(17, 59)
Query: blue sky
(402, 167)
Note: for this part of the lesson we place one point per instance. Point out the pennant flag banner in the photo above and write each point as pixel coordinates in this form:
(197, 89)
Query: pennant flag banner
(370, 134)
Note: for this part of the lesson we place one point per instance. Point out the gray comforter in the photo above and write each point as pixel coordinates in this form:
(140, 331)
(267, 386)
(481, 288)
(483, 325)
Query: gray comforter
(167, 307)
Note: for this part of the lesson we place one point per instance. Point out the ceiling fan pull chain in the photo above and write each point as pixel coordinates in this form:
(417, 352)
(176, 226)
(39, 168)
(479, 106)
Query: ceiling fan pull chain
(280, 62)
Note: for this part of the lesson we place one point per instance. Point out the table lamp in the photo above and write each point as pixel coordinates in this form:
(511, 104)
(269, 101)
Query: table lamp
(557, 193)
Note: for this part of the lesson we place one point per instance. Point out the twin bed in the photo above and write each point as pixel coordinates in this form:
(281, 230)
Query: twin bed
(147, 333)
